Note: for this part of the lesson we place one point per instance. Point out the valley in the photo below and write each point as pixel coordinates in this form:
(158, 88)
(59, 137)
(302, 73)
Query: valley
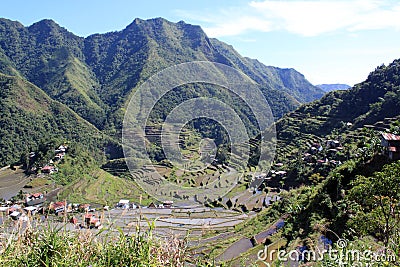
(324, 169)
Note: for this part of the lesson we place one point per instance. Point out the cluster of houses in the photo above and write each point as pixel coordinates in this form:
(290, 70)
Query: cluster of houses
(332, 147)
(19, 210)
(390, 147)
(59, 155)
(274, 174)
(313, 157)
(36, 203)
(16, 211)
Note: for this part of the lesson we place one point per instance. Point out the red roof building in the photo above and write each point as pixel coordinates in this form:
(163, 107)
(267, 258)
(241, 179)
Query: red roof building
(47, 169)
(391, 145)
(58, 206)
(390, 137)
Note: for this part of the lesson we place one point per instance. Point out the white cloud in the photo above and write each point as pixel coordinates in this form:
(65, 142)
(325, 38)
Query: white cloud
(238, 26)
(306, 18)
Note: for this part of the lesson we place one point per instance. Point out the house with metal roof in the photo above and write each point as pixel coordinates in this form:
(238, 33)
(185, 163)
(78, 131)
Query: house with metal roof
(391, 145)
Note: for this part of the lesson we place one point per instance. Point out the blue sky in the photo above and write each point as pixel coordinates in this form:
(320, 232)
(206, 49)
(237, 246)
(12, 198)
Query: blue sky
(328, 41)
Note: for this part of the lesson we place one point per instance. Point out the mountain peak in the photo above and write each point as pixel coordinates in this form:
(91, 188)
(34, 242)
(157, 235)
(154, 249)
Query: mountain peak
(14, 22)
(47, 27)
(45, 23)
(154, 21)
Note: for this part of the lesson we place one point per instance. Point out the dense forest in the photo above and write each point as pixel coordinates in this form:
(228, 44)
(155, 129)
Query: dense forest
(95, 76)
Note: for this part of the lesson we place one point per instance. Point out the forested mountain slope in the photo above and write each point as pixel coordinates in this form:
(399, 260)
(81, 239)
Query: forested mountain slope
(95, 76)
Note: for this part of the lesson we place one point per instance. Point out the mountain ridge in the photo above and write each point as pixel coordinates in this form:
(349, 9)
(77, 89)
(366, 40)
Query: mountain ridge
(366, 103)
(95, 75)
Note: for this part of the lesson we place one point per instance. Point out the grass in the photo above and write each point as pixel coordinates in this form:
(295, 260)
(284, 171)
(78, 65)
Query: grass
(103, 188)
(40, 244)
(38, 182)
(236, 190)
(55, 246)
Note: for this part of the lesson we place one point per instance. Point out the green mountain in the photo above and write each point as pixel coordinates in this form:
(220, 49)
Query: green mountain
(342, 116)
(341, 190)
(50, 57)
(29, 116)
(287, 82)
(366, 103)
(96, 75)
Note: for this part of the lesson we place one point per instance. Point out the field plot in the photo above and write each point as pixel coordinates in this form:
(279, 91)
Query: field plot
(180, 221)
(11, 182)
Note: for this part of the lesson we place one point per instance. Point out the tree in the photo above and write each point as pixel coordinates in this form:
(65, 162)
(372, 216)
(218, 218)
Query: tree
(378, 203)
(315, 178)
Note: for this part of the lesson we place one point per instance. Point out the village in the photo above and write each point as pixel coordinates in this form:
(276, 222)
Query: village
(87, 215)
(166, 218)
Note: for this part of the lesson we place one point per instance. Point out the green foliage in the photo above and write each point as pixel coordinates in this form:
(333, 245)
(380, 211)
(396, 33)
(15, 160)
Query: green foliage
(54, 246)
(30, 118)
(378, 198)
(316, 178)
(75, 165)
(95, 76)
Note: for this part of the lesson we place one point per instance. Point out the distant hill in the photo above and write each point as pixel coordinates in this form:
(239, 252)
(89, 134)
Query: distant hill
(333, 87)
(95, 76)
(289, 81)
(374, 100)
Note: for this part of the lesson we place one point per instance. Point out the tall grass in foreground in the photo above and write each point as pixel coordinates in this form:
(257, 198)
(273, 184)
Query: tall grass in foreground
(56, 246)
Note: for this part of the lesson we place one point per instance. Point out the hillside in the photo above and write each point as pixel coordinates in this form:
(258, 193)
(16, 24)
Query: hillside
(354, 119)
(29, 116)
(283, 82)
(375, 99)
(353, 193)
(96, 75)
(341, 116)
(335, 181)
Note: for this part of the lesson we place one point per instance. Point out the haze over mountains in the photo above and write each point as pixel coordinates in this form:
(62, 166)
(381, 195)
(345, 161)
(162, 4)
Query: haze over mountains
(91, 79)
(333, 87)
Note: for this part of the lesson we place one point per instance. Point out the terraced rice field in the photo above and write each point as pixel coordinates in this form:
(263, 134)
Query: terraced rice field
(103, 188)
(195, 220)
(11, 182)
